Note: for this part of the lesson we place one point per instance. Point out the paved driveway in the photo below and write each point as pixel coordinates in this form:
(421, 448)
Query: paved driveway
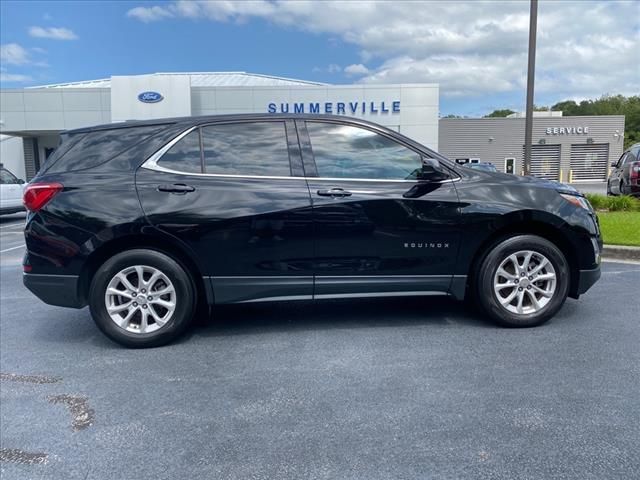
(384, 389)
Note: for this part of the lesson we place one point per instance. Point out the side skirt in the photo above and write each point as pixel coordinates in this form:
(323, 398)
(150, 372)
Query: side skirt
(246, 289)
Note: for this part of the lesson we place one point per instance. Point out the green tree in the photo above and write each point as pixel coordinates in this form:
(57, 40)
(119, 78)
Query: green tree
(608, 105)
(500, 113)
(568, 107)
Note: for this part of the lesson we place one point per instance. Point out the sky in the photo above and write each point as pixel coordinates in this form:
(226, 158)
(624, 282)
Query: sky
(475, 50)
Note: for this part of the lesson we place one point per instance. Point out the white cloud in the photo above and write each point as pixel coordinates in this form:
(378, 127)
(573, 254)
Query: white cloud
(356, 69)
(471, 48)
(14, 78)
(149, 14)
(331, 68)
(55, 33)
(14, 54)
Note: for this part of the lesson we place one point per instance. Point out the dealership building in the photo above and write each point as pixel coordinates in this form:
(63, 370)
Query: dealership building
(569, 149)
(565, 148)
(39, 114)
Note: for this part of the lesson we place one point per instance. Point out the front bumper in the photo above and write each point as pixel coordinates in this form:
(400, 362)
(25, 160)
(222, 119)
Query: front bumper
(59, 290)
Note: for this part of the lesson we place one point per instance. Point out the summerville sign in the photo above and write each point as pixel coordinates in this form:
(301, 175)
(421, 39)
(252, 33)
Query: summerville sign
(339, 108)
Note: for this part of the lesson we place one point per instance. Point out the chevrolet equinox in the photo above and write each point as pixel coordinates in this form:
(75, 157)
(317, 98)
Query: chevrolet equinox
(150, 222)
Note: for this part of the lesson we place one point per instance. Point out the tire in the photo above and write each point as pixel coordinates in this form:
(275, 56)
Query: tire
(527, 313)
(609, 192)
(173, 308)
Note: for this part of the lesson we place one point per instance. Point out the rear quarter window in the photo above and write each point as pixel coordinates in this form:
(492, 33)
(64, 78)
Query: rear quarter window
(86, 150)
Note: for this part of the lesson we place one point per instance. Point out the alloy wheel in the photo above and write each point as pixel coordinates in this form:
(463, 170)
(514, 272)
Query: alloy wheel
(140, 299)
(525, 282)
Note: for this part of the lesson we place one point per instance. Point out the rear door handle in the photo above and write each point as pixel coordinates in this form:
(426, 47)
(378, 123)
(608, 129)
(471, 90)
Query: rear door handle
(179, 188)
(334, 192)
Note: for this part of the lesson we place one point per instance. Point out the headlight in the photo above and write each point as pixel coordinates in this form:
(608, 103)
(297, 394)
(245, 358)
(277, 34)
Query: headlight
(580, 202)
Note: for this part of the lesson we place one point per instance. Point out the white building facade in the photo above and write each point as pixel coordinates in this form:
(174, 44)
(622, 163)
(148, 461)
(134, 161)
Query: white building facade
(39, 114)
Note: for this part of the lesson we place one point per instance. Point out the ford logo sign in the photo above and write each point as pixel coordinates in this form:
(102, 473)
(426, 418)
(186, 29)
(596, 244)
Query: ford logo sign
(150, 97)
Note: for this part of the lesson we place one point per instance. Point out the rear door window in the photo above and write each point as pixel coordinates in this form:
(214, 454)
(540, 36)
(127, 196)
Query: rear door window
(185, 155)
(239, 149)
(246, 149)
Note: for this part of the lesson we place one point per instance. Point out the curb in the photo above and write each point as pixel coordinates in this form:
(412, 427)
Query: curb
(620, 252)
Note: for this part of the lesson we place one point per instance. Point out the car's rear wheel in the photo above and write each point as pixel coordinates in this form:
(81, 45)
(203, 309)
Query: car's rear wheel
(523, 281)
(142, 298)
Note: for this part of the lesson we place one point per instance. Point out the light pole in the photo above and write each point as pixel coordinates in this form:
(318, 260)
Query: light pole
(528, 126)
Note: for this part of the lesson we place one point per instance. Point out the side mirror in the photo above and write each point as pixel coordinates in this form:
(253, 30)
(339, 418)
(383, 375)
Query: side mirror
(613, 164)
(20, 181)
(432, 171)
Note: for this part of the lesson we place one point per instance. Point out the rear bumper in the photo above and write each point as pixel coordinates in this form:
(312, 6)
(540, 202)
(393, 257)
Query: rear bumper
(59, 290)
(586, 279)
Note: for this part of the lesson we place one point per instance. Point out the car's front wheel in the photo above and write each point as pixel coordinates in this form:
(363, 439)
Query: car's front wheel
(523, 281)
(623, 190)
(142, 298)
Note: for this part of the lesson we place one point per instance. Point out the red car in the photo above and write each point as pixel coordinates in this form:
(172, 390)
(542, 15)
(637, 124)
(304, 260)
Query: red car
(625, 173)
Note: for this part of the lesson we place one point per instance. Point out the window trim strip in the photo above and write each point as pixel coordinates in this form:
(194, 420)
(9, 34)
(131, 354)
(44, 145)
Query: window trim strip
(152, 164)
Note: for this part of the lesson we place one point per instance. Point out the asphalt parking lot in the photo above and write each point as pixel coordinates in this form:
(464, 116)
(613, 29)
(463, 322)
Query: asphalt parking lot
(378, 389)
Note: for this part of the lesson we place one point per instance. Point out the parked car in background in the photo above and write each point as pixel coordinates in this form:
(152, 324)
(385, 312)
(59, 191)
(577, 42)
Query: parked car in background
(625, 173)
(148, 221)
(11, 188)
(485, 166)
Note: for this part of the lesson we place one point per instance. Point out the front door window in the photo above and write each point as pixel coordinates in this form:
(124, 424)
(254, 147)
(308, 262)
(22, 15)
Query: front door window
(345, 151)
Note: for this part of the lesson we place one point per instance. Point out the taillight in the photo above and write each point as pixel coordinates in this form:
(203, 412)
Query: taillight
(634, 170)
(37, 195)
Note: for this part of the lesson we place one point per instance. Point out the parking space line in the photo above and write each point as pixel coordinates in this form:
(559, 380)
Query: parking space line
(12, 248)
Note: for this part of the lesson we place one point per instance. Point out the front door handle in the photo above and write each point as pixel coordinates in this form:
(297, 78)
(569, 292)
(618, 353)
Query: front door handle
(334, 192)
(179, 188)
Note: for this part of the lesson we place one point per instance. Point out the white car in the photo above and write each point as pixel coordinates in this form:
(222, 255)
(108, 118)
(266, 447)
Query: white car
(10, 192)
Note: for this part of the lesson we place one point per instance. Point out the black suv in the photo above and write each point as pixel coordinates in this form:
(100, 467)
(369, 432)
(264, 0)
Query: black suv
(150, 222)
(625, 173)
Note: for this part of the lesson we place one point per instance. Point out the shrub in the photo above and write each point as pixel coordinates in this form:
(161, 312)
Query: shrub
(622, 203)
(597, 201)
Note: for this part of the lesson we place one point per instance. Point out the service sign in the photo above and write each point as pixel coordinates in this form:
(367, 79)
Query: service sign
(567, 130)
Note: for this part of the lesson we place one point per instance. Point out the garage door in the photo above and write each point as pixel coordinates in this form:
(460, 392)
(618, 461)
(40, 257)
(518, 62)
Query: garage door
(589, 162)
(545, 161)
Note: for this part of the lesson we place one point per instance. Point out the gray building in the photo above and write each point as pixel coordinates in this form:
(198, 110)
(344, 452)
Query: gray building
(39, 114)
(569, 149)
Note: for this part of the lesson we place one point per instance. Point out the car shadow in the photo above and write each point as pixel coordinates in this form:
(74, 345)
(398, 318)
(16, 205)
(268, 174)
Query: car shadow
(278, 317)
(254, 318)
